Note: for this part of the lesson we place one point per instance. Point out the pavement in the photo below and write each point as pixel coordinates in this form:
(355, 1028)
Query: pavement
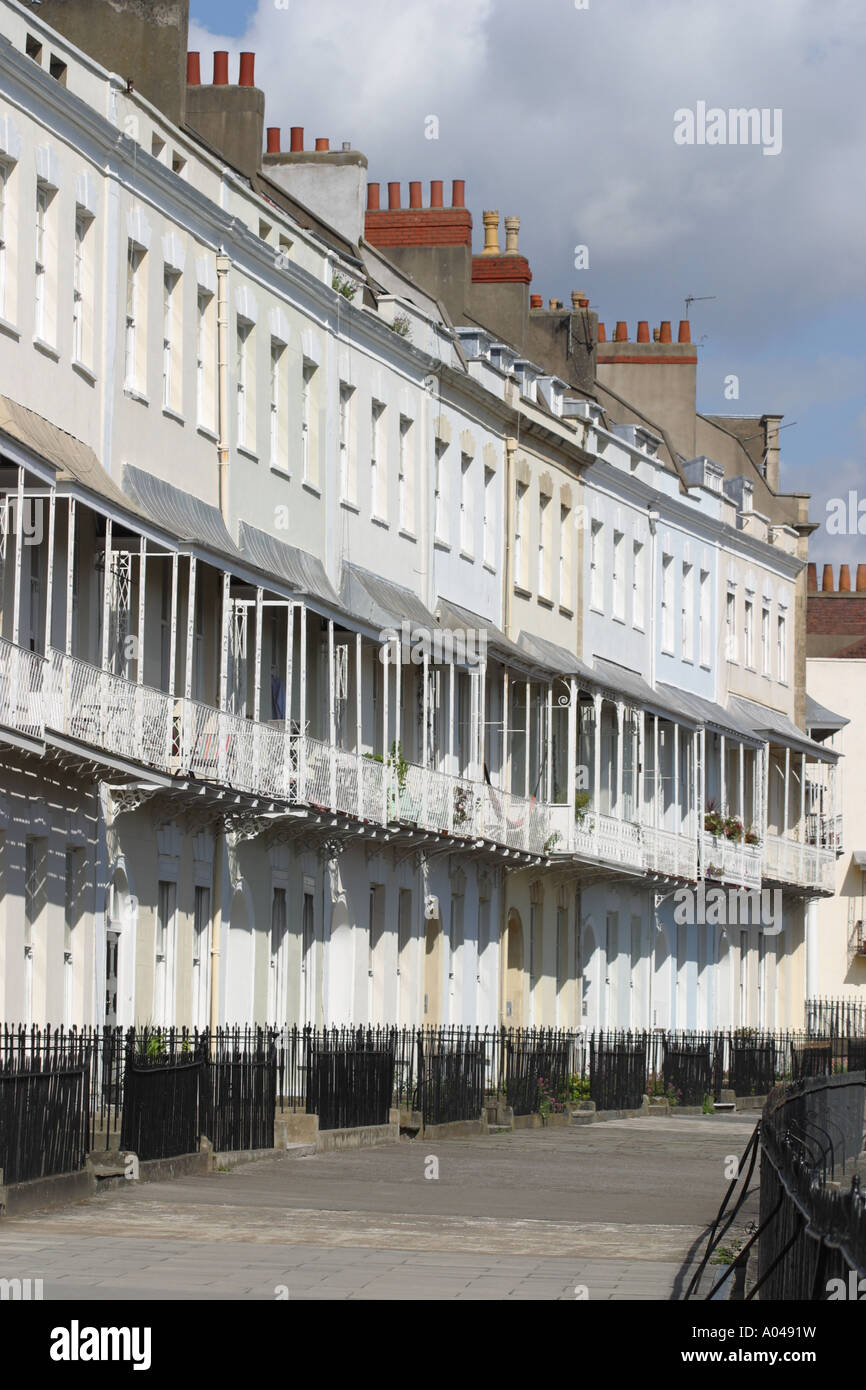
(615, 1210)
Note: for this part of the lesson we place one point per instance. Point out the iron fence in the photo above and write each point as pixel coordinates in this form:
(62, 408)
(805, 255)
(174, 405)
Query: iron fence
(618, 1070)
(350, 1078)
(690, 1068)
(836, 1018)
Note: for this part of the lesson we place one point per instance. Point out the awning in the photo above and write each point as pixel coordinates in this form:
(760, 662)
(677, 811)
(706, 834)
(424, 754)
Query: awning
(179, 512)
(712, 715)
(771, 724)
(303, 572)
(819, 717)
(453, 616)
(625, 682)
(380, 604)
(554, 657)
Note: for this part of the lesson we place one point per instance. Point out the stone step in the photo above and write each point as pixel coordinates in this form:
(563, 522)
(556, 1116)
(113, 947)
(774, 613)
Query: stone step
(726, 1105)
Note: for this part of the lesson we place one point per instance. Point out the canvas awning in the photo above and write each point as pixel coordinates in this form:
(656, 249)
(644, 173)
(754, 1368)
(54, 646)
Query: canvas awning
(303, 572)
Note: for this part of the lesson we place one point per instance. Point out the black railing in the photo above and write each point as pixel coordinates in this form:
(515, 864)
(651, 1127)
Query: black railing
(451, 1078)
(618, 1070)
(836, 1018)
(350, 1078)
(44, 1118)
(689, 1069)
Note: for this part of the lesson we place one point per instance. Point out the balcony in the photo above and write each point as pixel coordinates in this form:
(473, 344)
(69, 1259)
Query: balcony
(800, 864)
(731, 861)
(604, 837)
(22, 697)
(669, 853)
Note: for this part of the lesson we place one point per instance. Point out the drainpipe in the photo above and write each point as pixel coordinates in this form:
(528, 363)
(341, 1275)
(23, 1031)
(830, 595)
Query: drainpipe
(508, 555)
(216, 923)
(222, 268)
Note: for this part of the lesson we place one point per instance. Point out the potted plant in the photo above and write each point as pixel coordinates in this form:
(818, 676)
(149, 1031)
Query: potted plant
(733, 828)
(751, 837)
(581, 806)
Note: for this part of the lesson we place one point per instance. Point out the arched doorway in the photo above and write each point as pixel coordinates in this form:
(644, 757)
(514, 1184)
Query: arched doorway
(514, 979)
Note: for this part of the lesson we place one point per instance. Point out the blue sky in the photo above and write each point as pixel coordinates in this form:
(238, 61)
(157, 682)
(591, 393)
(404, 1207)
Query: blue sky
(566, 116)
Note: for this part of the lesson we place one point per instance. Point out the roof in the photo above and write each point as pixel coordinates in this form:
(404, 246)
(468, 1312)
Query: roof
(559, 659)
(380, 604)
(453, 616)
(772, 724)
(819, 717)
(626, 682)
(711, 714)
(302, 571)
(179, 512)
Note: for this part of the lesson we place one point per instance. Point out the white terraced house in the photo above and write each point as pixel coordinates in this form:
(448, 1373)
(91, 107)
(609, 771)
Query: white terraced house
(359, 663)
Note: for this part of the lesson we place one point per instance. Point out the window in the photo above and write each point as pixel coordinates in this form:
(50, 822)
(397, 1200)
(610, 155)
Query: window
(782, 648)
(748, 632)
(544, 518)
(638, 586)
(201, 957)
(688, 613)
(704, 635)
(57, 69)
(668, 603)
(618, 577)
(378, 486)
(766, 656)
(166, 905)
(731, 625)
(245, 379)
(404, 500)
(5, 173)
(276, 421)
(346, 479)
(277, 983)
(171, 378)
(70, 917)
(31, 909)
(467, 519)
(309, 472)
(440, 519)
(134, 317)
(205, 361)
(565, 600)
(520, 553)
(41, 253)
(80, 287)
(596, 578)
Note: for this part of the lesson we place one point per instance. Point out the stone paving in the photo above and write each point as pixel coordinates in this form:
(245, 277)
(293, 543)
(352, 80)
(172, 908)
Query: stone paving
(615, 1209)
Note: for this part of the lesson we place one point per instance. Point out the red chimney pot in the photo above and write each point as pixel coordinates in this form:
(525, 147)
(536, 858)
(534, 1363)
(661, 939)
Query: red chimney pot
(643, 333)
(827, 580)
(844, 579)
(415, 198)
(322, 145)
(436, 193)
(602, 333)
(373, 197)
(685, 331)
(193, 69)
(812, 578)
(861, 579)
(247, 72)
(297, 139)
(665, 331)
(536, 301)
(458, 193)
(621, 332)
(273, 139)
(221, 68)
(394, 197)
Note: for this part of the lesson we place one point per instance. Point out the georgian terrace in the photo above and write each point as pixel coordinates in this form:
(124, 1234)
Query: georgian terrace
(136, 629)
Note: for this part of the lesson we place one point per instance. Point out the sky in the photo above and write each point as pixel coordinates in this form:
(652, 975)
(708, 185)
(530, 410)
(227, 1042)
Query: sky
(566, 117)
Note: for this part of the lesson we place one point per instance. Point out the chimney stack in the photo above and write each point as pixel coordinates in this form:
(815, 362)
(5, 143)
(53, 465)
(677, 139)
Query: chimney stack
(230, 118)
(491, 234)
